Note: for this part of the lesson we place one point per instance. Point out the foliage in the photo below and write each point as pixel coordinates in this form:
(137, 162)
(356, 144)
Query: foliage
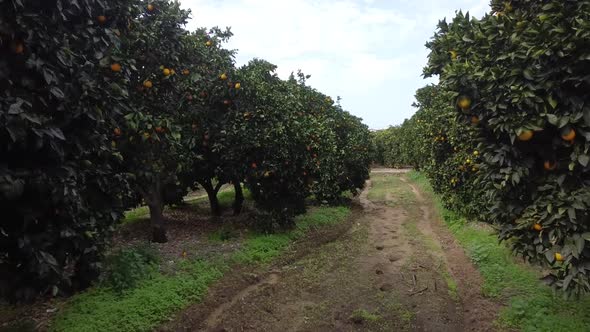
(61, 189)
(509, 129)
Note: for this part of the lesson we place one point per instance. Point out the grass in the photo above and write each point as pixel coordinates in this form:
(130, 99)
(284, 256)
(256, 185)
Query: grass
(157, 298)
(141, 308)
(360, 316)
(386, 184)
(531, 305)
(136, 214)
(262, 248)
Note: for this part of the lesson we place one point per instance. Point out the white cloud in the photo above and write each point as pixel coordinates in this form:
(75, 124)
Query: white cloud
(366, 51)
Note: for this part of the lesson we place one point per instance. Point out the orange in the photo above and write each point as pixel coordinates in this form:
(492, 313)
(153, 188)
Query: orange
(116, 67)
(223, 77)
(568, 135)
(237, 86)
(558, 257)
(185, 72)
(526, 135)
(464, 102)
(537, 227)
(474, 120)
(166, 72)
(150, 8)
(148, 84)
(549, 165)
(117, 132)
(101, 19)
(208, 43)
(18, 48)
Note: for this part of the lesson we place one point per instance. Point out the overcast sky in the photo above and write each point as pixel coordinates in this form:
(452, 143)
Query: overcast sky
(369, 52)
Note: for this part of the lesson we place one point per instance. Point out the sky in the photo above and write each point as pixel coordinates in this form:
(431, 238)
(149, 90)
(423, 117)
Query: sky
(369, 52)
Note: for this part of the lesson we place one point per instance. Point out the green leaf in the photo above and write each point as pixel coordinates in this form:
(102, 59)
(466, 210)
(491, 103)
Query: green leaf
(552, 102)
(584, 159)
(553, 119)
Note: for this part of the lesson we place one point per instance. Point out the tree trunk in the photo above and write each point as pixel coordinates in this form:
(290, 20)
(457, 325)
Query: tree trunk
(212, 194)
(157, 218)
(239, 198)
(300, 207)
(155, 202)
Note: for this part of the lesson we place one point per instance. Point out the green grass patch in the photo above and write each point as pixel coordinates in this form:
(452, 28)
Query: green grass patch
(360, 316)
(144, 304)
(262, 248)
(531, 305)
(141, 308)
(389, 188)
(136, 214)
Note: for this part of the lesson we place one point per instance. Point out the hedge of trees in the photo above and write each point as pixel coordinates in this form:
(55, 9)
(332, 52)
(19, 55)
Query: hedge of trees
(505, 135)
(105, 105)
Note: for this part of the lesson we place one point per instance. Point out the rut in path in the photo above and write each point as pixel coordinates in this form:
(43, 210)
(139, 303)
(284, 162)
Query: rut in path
(397, 263)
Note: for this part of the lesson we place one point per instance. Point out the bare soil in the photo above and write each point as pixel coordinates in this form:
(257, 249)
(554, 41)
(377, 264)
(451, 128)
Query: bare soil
(393, 267)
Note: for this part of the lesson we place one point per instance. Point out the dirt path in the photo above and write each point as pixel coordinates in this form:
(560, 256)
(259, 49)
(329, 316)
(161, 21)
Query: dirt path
(396, 268)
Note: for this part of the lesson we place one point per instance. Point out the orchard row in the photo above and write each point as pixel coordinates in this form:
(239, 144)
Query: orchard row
(108, 104)
(505, 135)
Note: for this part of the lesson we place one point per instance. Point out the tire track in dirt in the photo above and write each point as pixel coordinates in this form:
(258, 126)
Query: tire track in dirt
(479, 312)
(214, 319)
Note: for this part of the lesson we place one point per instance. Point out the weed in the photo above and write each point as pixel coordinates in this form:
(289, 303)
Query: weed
(361, 316)
(124, 268)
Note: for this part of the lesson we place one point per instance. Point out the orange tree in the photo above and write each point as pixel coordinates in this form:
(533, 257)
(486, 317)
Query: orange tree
(387, 147)
(444, 146)
(269, 143)
(168, 66)
(350, 158)
(293, 141)
(61, 189)
(312, 125)
(211, 96)
(522, 71)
